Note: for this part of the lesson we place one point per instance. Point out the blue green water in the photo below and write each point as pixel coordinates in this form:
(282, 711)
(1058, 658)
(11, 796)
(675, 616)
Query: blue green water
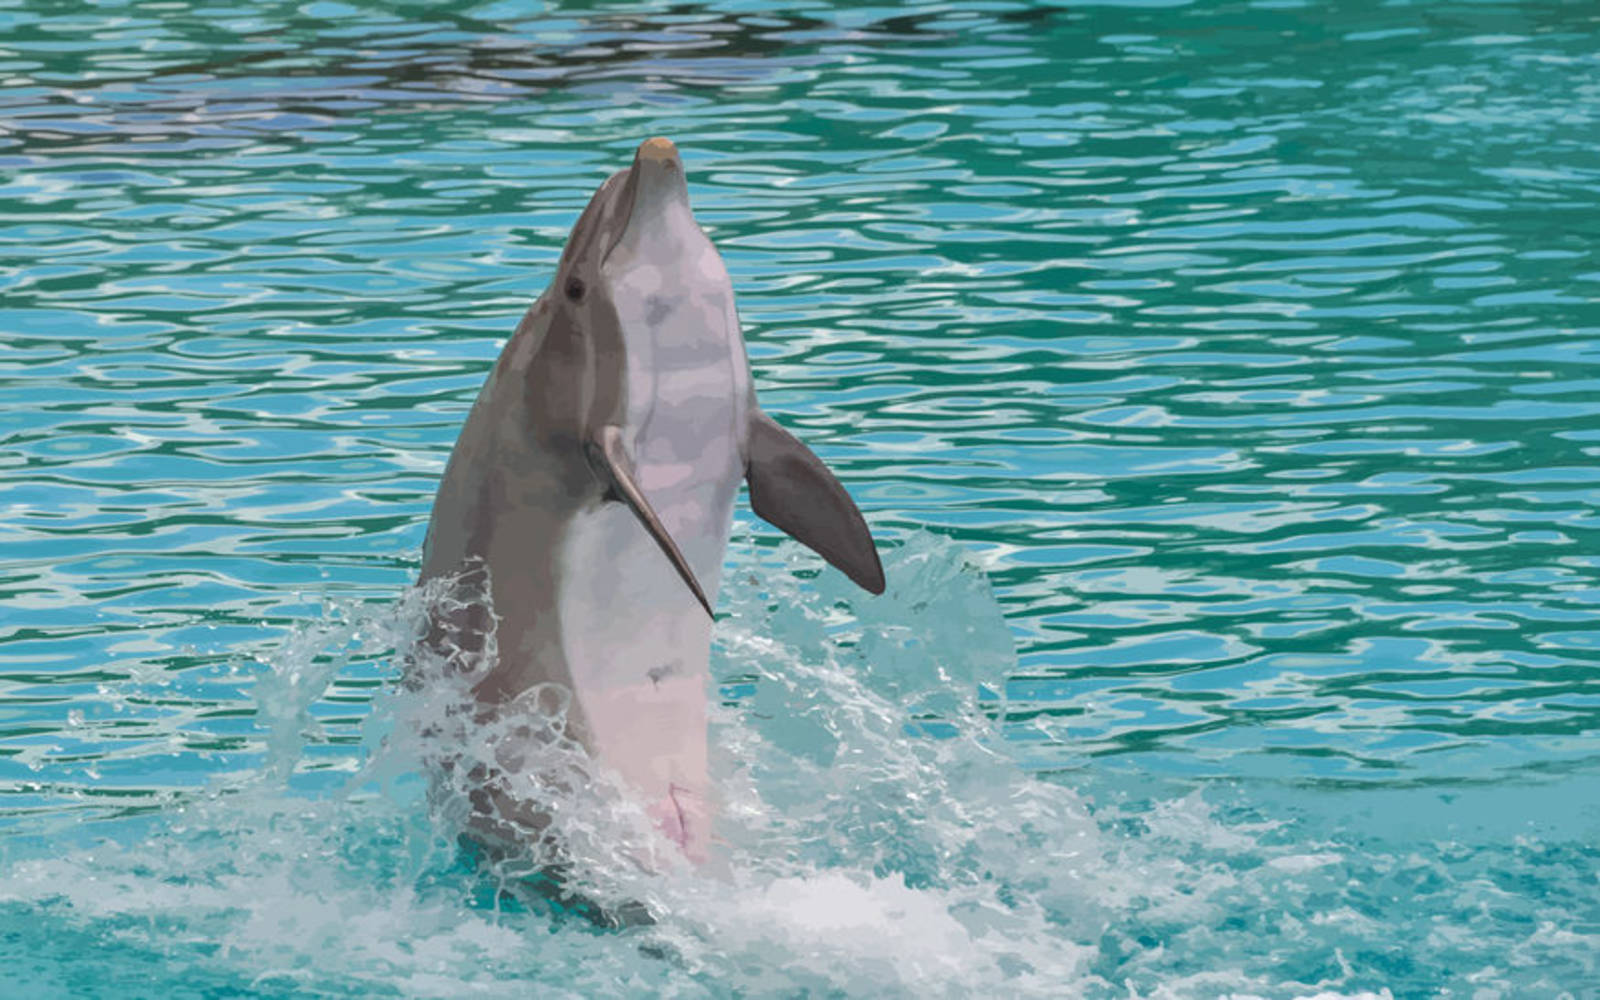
(1249, 350)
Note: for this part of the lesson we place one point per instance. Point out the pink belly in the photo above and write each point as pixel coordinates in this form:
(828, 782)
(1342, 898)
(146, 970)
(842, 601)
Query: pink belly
(653, 735)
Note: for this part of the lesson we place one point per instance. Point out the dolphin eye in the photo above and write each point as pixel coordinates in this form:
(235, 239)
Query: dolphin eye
(575, 288)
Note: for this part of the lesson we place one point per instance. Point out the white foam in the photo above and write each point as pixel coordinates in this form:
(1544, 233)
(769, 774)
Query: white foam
(876, 839)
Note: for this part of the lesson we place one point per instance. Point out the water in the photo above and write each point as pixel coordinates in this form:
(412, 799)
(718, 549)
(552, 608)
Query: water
(1249, 351)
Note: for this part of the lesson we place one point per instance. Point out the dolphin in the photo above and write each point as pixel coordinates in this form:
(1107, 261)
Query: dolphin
(594, 482)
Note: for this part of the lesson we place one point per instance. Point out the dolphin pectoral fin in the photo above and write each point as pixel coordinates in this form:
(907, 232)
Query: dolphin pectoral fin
(792, 489)
(608, 457)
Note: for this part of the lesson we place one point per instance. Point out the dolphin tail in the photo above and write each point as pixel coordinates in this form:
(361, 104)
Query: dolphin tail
(794, 491)
(608, 457)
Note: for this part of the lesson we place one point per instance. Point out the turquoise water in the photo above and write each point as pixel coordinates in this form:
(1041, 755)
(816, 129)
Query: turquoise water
(1222, 380)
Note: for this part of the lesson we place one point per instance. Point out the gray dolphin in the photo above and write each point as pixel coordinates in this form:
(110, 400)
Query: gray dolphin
(595, 480)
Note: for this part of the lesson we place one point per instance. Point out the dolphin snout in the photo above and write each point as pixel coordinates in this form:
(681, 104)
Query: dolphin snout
(659, 150)
(658, 198)
(658, 172)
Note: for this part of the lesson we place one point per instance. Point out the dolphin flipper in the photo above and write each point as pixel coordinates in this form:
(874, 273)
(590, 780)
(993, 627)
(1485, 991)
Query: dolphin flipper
(793, 490)
(608, 457)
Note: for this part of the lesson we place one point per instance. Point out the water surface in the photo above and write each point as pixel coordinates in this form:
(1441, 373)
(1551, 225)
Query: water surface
(1249, 349)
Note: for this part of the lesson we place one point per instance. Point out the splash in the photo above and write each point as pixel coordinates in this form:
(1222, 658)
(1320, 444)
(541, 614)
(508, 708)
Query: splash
(875, 837)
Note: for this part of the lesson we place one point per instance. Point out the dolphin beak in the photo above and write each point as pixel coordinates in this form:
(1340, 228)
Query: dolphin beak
(660, 168)
(655, 188)
(658, 149)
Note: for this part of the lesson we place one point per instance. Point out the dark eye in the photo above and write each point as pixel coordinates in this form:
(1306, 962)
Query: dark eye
(575, 288)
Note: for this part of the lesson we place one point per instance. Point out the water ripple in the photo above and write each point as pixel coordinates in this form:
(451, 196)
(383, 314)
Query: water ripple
(1254, 355)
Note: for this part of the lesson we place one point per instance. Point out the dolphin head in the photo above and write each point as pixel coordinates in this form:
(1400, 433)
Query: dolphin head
(635, 256)
(651, 277)
(638, 221)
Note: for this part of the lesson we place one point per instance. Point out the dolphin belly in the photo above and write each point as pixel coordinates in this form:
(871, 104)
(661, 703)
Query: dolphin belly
(636, 641)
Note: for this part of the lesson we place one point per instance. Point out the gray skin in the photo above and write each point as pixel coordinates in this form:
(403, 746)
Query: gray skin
(595, 480)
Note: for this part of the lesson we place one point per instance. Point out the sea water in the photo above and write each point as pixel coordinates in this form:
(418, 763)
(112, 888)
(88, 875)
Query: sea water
(1222, 381)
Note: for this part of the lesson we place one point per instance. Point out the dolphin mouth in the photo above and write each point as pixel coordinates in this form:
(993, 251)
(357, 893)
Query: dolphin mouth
(655, 186)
